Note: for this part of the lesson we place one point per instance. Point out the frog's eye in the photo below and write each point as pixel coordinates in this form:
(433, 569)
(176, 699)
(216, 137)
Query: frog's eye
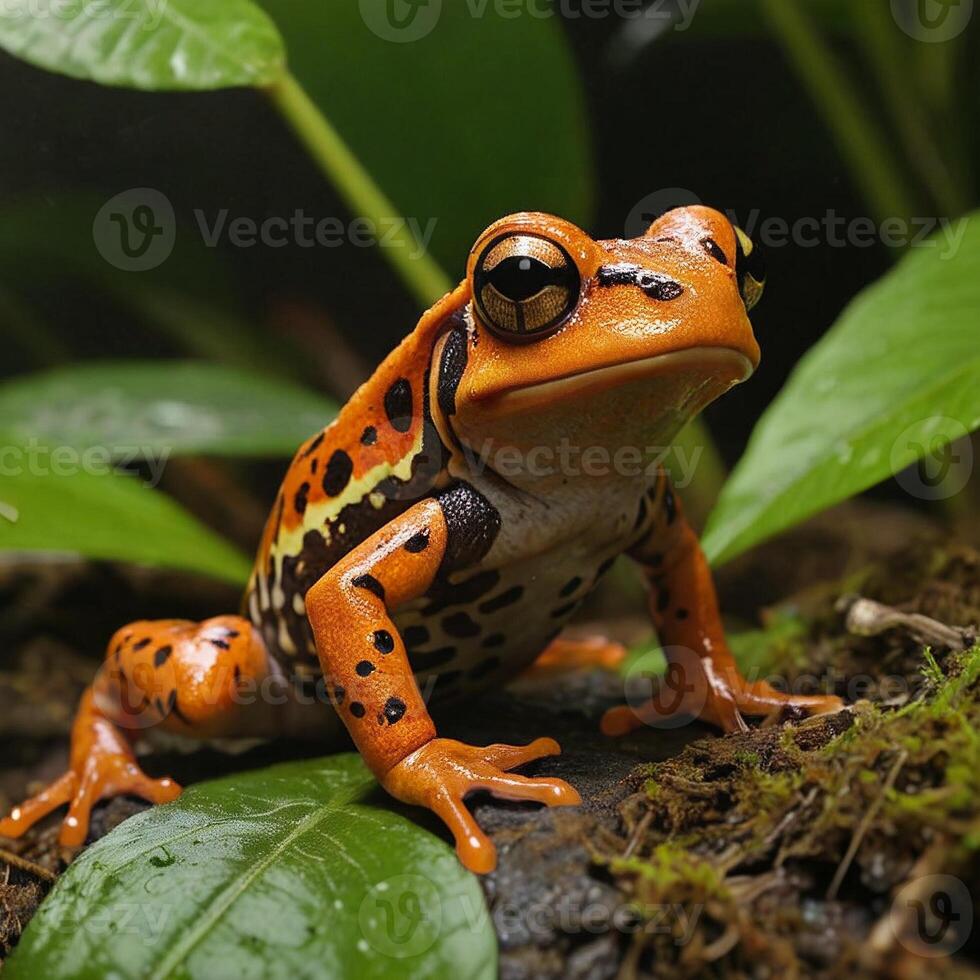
(750, 269)
(524, 286)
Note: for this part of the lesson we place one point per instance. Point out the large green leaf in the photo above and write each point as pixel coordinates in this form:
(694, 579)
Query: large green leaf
(896, 376)
(147, 44)
(140, 408)
(63, 502)
(294, 871)
(464, 116)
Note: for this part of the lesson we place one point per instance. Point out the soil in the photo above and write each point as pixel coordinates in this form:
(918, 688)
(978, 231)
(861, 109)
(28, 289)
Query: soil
(798, 849)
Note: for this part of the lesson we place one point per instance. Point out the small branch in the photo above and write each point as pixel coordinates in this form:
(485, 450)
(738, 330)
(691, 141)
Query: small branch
(421, 274)
(865, 617)
(864, 826)
(637, 835)
(23, 864)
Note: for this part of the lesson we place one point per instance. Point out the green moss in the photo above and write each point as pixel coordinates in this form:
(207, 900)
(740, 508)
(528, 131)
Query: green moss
(801, 793)
(670, 867)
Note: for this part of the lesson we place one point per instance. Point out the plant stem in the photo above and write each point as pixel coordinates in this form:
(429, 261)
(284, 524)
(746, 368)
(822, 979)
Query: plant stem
(422, 274)
(860, 141)
(882, 44)
(418, 270)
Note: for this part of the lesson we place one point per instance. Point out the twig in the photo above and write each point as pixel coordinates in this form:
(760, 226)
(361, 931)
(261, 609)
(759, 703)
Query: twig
(639, 831)
(23, 864)
(864, 826)
(865, 617)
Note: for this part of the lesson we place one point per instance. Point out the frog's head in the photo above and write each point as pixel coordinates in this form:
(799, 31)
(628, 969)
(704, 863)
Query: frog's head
(611, 343)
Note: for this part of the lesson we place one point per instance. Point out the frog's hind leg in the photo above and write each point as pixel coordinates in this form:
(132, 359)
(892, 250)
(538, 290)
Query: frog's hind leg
(578, 653)
(172, 675)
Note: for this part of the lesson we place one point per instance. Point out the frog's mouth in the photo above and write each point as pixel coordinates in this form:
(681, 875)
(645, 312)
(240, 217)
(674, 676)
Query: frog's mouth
(716, 368)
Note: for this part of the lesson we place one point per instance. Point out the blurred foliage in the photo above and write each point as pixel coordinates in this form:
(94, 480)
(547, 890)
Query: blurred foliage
(895, 379)
(162, 409)
(483, 116)
(352, 97)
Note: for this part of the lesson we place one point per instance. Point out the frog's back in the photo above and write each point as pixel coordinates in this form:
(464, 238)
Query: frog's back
(378, 457)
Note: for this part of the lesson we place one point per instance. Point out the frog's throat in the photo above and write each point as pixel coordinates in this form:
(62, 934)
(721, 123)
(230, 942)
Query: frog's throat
(728, 366)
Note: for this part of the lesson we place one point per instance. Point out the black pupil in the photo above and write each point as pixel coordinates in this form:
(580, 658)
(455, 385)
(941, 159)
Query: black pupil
(519, 277)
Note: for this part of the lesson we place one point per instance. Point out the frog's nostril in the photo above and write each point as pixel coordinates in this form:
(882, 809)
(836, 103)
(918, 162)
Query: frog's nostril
(654, 284)
(658, 286)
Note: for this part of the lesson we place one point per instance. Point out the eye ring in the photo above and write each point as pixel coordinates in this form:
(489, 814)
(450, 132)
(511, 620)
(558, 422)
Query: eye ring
(524, 286)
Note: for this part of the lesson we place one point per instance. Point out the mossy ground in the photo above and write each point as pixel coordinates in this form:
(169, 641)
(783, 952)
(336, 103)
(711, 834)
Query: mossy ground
(797, 850)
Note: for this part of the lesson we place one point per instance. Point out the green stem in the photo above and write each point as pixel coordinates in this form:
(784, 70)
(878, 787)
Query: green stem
(882, 43)
(417, 269)
(421, 274)
(860, 141)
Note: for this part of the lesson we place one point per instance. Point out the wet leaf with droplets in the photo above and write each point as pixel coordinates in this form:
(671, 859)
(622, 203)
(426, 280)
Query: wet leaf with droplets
(300, 870)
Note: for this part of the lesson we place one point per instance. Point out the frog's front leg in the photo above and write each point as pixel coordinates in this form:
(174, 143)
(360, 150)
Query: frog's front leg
(372, 686)
(703, 679)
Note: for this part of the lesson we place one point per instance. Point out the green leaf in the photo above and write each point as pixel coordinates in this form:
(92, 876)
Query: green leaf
(68, 502)
(895, 377)
(162, 407)
(147, 44)
(477, 117)
(294, 871)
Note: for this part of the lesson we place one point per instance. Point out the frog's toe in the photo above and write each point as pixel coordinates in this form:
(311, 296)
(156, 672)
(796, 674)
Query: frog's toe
(101, 777)
(443, 772)
(104, 777)
(28, 813)
(761, 699)
(509, 756)
(474, 849)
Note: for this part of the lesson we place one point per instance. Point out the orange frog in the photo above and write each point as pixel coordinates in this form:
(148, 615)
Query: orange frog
(437, 536)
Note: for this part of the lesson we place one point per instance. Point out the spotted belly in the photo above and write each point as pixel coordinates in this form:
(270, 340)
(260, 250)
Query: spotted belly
(481, 627)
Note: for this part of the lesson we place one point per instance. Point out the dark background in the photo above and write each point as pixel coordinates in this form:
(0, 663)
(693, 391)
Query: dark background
(725, 117)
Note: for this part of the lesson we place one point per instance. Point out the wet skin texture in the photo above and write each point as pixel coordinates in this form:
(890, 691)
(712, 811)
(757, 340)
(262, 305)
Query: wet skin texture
(437, 536)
